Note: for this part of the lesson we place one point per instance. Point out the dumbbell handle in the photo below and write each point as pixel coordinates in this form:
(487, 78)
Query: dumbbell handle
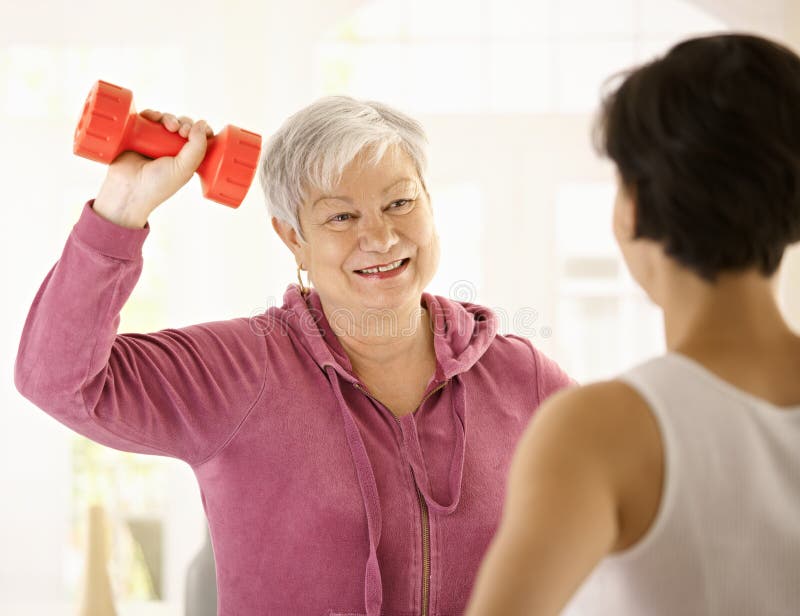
(152, 139)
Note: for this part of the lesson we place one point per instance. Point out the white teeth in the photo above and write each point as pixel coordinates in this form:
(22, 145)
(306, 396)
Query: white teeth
(391, 266)
(384, 268)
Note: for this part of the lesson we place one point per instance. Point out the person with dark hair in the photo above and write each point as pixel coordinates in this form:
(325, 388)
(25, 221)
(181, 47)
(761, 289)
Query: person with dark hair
(675, 488)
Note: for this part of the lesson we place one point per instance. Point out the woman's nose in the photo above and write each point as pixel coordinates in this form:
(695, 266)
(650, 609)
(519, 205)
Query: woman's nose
(376, 235)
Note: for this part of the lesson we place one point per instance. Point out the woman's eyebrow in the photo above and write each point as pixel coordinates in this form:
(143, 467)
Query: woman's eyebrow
(393, 185)
(327, 197)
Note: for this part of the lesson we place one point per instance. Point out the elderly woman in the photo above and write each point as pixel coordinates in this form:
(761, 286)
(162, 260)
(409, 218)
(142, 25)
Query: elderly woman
(677, 490)
(351, 447)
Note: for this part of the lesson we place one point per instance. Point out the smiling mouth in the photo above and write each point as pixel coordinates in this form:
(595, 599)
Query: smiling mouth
(380, 269)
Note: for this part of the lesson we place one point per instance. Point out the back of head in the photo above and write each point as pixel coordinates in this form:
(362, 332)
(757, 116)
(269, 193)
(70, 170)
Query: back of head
(707, 141)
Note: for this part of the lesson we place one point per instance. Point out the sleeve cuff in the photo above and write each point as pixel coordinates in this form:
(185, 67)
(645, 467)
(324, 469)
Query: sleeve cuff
(108, 238)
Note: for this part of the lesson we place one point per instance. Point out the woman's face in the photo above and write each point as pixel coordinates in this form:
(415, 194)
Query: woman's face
(371, 243)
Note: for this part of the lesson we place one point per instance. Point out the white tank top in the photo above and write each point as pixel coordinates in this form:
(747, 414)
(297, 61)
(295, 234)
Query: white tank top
(726, 538)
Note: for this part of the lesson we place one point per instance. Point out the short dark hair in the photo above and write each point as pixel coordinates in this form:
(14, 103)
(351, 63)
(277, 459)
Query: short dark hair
(707, 140)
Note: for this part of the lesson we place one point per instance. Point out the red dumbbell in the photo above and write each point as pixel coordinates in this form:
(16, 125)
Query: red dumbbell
(110, 125)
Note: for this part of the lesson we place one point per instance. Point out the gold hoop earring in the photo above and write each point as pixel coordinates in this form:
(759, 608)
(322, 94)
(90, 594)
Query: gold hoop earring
(304, 290)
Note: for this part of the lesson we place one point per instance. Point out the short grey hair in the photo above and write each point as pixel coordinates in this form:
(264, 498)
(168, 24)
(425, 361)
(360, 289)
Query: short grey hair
(314, 146)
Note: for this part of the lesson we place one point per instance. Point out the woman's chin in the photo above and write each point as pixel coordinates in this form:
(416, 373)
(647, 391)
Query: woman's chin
(359, 292)
(395, 298)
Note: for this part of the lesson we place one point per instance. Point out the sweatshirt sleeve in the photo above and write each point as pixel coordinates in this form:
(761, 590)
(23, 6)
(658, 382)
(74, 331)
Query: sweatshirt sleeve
(549, 375)
(177, 392)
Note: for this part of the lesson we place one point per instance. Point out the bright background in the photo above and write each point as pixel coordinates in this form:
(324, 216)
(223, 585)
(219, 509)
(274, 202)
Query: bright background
(506, 90)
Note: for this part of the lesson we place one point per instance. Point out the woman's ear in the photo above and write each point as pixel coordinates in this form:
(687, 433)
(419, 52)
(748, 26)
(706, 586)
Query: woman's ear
(290, 237)
(624, 213)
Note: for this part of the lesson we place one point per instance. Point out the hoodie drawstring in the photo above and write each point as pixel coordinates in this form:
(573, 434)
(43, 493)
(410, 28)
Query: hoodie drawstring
(417, 460)
(373, 590)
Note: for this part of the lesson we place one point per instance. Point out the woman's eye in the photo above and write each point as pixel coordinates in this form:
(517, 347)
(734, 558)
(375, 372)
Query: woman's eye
(340, 218)
(400, 203)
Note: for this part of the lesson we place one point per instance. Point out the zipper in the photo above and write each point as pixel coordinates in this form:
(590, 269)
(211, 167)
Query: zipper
(423, 507)
(426, 554)
(426, 530)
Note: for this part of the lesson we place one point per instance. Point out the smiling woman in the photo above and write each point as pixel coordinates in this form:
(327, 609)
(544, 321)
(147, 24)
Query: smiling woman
(374, 245)
(352, 445)
(369, 242)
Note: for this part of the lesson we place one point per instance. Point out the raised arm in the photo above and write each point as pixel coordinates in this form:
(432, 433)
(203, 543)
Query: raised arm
(176, 392)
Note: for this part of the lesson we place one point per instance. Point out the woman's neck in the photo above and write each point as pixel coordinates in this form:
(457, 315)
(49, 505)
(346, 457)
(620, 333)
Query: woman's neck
(376, 340)
(738, 311)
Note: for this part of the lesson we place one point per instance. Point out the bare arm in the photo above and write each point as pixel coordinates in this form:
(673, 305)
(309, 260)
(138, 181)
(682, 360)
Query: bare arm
(574, 496)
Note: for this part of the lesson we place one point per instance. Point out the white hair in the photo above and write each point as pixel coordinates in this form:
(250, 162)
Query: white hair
(314, 146)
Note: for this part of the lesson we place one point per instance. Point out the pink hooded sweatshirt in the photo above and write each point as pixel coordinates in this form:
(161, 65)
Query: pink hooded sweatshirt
(319, 500)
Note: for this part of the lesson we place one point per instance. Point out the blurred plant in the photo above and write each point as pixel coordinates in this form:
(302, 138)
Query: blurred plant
(130, 487)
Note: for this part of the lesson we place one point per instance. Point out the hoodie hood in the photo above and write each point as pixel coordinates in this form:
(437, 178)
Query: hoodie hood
(462, 334)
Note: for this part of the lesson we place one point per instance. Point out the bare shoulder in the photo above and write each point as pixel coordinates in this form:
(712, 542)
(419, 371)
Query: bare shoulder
(604, 412)
(604, 432)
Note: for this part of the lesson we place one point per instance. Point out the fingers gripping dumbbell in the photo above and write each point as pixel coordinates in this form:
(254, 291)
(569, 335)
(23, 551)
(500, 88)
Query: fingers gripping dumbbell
(110, 125)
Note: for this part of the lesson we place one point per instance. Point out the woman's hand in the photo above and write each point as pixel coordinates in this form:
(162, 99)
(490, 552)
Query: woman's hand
(136, 185)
